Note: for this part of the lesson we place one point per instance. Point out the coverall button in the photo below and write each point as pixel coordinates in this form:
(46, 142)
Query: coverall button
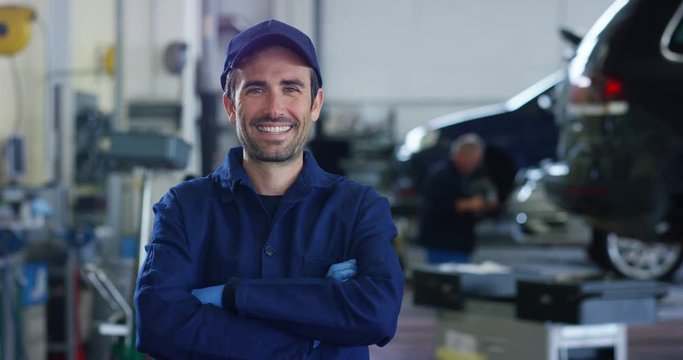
(269, 250)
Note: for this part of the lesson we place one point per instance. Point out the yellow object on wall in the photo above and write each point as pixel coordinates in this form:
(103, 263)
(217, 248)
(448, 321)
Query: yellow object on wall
(109, 61)
(15, 28)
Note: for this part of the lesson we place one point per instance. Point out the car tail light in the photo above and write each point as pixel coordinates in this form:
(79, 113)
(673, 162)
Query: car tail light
(613, 89)
(597, 96)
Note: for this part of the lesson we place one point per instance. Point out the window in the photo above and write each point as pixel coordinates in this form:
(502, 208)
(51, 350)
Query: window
(676, 44)
(672, 40)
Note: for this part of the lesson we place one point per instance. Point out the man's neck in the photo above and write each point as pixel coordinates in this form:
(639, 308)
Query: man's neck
(271, 178)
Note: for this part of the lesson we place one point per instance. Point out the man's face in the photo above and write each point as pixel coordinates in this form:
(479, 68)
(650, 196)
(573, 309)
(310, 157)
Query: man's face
(469, 161)
(272, 108)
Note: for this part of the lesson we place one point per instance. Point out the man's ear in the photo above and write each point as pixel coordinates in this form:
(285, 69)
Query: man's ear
(229, 108)
(317, 105)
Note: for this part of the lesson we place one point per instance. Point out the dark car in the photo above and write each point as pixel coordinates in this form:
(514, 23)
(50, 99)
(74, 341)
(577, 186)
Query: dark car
(620, 147)
(518, 133)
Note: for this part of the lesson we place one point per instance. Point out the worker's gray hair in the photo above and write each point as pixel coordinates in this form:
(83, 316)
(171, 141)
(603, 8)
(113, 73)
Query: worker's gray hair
(467, 142)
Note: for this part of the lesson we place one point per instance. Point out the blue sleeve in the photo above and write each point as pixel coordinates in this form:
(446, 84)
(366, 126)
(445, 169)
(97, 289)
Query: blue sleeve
(360, 311)
(171, 323)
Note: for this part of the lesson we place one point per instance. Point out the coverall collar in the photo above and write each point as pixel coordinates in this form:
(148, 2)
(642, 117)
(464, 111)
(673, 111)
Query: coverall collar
(231, 174)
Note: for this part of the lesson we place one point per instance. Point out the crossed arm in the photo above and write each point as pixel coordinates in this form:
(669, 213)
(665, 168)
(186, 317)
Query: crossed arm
(213, 295)
(359, 311)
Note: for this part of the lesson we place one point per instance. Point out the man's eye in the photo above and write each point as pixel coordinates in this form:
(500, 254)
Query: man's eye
(254, 90)
(291, 89)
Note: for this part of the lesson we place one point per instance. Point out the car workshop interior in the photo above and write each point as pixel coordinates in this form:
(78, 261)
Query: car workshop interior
(577, 106)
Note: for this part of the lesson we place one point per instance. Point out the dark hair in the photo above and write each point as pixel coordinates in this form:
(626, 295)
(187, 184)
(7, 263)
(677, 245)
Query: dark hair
(230, 86)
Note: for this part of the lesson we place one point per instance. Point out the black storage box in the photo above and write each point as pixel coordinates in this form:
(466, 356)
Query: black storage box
(589, 302)
(435, 288)
(447, 285)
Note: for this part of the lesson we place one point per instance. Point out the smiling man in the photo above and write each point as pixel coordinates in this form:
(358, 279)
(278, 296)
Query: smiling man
(269, 257)
(275, 105)
(272, 104)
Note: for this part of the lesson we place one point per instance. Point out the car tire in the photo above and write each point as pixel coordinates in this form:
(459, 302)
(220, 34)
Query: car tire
(635, 258)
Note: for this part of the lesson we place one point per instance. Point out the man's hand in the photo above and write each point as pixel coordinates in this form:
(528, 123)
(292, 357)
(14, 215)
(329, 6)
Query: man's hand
(210, 295)
(343, 271)
(472, 204)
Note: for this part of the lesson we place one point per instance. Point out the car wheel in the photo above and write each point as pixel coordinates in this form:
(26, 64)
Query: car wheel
(637, 259)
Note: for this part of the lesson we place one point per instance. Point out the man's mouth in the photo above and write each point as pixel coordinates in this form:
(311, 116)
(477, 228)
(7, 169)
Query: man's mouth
(274, 129)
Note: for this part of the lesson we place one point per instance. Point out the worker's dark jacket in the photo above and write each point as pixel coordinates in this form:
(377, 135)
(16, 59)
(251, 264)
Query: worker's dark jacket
(210, 229)
(441, 227)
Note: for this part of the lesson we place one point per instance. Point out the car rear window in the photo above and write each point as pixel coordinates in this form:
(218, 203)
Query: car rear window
(675, 41)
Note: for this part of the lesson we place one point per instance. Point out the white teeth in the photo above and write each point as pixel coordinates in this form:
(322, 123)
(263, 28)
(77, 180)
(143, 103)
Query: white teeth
(274, 129)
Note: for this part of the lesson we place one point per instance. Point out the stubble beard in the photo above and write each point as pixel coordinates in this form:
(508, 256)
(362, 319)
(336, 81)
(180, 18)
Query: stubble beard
(257, 152)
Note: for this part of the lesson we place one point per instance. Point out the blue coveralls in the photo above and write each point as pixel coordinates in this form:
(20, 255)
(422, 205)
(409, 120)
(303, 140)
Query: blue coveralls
(447, 235)
(210, 229)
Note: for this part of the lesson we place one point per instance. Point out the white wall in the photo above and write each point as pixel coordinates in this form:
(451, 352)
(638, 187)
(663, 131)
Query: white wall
(93, 34)
(150, 26)
(426, 58)
(248, 12)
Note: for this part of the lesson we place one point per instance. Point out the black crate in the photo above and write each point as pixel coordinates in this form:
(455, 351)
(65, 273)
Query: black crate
(589, 302)
(448, 285)
(437, 289)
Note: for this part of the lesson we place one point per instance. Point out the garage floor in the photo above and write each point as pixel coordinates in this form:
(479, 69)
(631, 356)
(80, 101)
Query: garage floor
(417, 331)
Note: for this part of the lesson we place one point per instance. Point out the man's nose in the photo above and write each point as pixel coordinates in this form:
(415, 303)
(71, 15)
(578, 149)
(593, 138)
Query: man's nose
(275, 105)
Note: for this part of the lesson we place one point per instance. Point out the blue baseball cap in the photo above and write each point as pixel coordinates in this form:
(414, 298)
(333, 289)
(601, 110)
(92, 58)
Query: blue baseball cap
(269, 33)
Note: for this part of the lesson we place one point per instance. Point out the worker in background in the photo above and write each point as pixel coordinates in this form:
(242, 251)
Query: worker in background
(451, 206)
(269, 257)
